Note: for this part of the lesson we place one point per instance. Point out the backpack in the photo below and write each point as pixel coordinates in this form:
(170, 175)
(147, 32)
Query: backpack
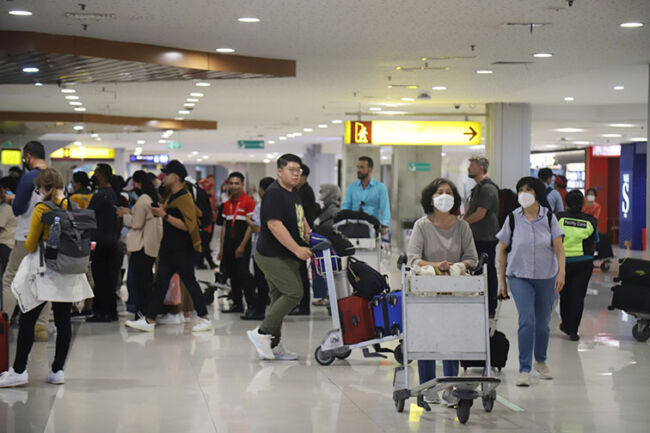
(507, 201)
(511, 222)
(365, 280)
(340, 243)
(202, 201)
(77, 226)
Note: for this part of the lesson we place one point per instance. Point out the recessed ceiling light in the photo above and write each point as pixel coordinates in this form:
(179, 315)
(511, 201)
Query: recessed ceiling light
(282, 138)
(225, 50)
(611, 135)
(297, 134)
(95, 135)
(322, 126)
(162, 141)
(72, 97)
(290, 135)
(307, 129)
(78, 127)
(205, 156)
(202, 84)
(569, 130)
(38, 84)
(178, 118)
(192, 100)
(632, 25)
(75, 103)
(621, 125)
(581, 142)
(20, 13)
(542, 55)
(484, 71)
(79, 109)
(375, 108)
(408, 99)
(639, 139)
(569, 98)
(140, 141)
(271, 142)
(266, 161)
(189, 104)
(30, 69)
(196, 94)
(76, 143)
(393, 112)
(183, 112)
(336, 122)
(248, 20)
(68, 91)
(619, 88)
(439, 88)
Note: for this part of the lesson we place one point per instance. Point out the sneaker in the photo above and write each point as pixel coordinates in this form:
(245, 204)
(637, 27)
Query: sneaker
(574, 337)
(431, 396)
(169, 319)
(10, 378)
(141, 325)
(202, 326)
(523, 379)
(55, 378)
(40, 333)
(262, 343)
(449, 397)
(543, 370)
(282, 354)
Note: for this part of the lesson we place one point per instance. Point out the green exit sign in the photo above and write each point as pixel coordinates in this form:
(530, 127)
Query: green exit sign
(250, 144)
(419, 166)
(7, 144)
(173, 145)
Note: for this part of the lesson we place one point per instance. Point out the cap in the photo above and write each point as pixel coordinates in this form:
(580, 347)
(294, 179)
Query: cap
(176, 167)
(129, 186)
(561, 181)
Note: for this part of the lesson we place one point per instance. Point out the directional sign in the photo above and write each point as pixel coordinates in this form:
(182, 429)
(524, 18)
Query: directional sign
(173, 145)
(250, 144)
(11, 157)
(419, 166)
(413, 133)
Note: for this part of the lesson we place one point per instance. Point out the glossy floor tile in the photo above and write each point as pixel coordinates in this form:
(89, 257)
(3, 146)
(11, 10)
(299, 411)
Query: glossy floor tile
(173, 381)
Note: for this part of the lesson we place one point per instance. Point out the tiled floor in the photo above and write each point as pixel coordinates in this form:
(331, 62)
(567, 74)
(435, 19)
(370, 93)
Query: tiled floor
(173, 381)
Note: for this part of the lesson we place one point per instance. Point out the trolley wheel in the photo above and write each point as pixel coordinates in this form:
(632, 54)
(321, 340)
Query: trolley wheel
(604, 266)
(379, 332)
(399, 355)
(462, 410)
(322, 357)
(399, 405)
(343, 354)
(488, 401)
(641, 332)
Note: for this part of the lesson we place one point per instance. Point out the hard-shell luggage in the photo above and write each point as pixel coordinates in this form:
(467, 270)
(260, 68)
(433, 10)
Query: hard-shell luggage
(499, 348)
(365, 280)
(387, 313)
(633, 298)
(356, 319)
(634, 271)
(604, 247)
(4, 341)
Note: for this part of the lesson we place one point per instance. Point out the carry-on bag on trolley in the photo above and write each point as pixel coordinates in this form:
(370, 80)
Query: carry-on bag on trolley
(387, 313)
(357, 322)
(632, 295)
(365, 280)
(634, 271)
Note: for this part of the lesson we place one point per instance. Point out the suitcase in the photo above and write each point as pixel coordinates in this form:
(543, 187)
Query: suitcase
(357, 323)
(632, 298)
(387, 313)
(634, 271)
(499, 348)
(4, 341)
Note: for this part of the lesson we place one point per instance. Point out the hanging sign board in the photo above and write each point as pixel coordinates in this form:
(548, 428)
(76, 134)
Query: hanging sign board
(79, 152)
(250, 144)
(11, 157)
(413, 133)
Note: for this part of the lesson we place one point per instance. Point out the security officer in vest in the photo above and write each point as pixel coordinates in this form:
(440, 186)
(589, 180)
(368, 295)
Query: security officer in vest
(580, 239)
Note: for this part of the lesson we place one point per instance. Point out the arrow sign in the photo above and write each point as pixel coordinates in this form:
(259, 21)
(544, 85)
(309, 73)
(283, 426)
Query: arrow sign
(472, 133)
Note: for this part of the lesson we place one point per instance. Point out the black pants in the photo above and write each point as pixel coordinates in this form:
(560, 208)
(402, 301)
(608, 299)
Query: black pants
(5, 251)
(493, 283)
(105, 268)
(261, 298)
(142, 269)
(572, 296)
(241, 281)
(179, 262)
(26, 335)
(306, 292)
(206, 253)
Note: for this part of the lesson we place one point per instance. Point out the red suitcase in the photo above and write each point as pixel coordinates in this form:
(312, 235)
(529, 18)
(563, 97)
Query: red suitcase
(4, 342)
(357, 323)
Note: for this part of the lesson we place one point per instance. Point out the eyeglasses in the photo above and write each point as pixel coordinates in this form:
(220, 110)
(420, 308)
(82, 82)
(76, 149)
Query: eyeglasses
(295, 170)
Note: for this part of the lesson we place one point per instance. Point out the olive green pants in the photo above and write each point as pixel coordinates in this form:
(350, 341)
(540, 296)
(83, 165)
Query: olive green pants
(285, 289)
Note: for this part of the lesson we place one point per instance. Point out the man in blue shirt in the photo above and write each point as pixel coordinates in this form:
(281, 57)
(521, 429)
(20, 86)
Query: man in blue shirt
(368, 195)
(552, 196)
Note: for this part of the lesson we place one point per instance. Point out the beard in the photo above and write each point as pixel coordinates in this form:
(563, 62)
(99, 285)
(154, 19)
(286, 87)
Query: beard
(361, 175)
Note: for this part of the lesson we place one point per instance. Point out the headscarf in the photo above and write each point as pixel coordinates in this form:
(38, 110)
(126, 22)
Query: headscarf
(330, 194)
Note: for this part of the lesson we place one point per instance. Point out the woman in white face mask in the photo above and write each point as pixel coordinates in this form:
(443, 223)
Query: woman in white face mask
(441, 240)
(591, 207)
(531, 255)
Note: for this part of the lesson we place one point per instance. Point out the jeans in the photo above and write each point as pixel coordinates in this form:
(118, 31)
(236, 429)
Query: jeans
(106, 268)
(141, 267)
(572, 296)
(534, 300)
(26, 335)
(427, 369)
(493, 283)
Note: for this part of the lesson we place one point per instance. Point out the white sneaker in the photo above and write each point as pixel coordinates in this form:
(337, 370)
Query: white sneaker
(10, 378)
(523, 379)
(449, 397)
(169, 319)
(282, 354)
(202, 326)
(431, 396)
(55, 378)
(141, 325)
(543, 370)
(262, 343)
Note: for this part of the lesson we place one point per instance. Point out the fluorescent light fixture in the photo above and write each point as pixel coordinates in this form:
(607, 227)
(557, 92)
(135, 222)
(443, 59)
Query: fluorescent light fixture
(632, 25)
(322, 126)
(375, 108)
(20, 13)
(168, 133)
(38, 84)
(178, 118)
(30, 69)
(68, 91)
(78, 127)
(569, 98)
(336, 122)
(282, 137)
(439, 88)
(297, 134)
(581, 142)
(569, 130)
(192, 100)
(408, 99)
(95, 135)
(189, 104)
(639, 139)
(443, 154)
(619, 87)
(621, 125)
(202, 84)
(484, 71)
(307, 129)
(72, 97)
(76, 143)
(140, 141)
(611, 135)
(183, 112)
(196, 94)
(393, 112)
(225, 50)
(271, 142)
(543, 55)
(162, 141)
(248, 20)
(75, 103)
(205, 156)
(266, 161)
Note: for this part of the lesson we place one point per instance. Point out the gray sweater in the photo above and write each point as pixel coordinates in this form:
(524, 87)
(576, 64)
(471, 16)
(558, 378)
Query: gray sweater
(432, 244)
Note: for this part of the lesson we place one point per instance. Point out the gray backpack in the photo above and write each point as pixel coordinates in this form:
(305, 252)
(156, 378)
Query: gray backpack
(77, 226)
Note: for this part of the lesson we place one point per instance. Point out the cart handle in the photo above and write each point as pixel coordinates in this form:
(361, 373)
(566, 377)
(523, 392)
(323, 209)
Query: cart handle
(322, 245)
(401, 260)
(476, 270)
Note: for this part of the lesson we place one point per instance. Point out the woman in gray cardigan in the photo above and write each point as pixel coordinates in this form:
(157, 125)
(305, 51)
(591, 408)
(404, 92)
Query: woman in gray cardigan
(441, 240)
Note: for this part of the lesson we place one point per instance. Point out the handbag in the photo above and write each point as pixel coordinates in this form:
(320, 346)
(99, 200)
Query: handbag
(173, 296)
(24, 285)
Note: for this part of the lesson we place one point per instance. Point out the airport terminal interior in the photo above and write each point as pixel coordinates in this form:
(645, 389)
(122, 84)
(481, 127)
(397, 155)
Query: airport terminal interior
(397, 116)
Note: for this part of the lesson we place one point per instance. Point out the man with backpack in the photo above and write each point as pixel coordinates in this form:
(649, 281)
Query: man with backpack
(552, 196)
(483, 218)
(206, 223)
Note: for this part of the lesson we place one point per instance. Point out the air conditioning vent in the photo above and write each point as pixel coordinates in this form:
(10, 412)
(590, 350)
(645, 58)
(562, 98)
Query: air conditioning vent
(512, 63)
(90, 16)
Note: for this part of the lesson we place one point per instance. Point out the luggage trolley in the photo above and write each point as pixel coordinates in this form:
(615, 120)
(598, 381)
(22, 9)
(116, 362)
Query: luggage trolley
(330, 267)
(365, 238)
(446, 318)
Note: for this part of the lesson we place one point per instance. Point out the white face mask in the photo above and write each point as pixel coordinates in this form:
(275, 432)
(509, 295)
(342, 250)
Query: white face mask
(443, 202)
(591, 198)
(526, 199)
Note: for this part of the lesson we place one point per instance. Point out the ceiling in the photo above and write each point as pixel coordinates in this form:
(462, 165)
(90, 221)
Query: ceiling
(345, 53)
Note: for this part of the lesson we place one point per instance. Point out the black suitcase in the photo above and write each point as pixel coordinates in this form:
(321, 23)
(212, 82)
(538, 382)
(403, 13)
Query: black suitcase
(630, 297)
(499, 348)
(634, 271)
(604, 247)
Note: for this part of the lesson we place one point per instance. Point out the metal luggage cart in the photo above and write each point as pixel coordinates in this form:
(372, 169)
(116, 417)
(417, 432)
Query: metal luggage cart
(333, 347)
(368, 249)
(446, 318)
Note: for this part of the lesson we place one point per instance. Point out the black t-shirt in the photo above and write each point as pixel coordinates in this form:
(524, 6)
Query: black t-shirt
(283, 205)
(308, 199)
(176, 239)
(103, 203)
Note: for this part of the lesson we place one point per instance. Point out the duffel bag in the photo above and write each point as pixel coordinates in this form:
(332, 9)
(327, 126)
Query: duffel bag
(365, 280)
(631, 297)
(634, 271)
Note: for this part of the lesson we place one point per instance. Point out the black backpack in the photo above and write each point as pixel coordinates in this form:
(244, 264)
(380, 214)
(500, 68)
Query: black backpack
(202, 200)
(507, 201)
(340, 243)
(366, 281)
(511, 222)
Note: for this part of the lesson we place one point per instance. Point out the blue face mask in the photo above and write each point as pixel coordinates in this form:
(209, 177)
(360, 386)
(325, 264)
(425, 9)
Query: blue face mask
(133, 196)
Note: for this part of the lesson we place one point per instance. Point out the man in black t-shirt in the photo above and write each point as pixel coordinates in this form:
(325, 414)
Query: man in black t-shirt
(281, 249)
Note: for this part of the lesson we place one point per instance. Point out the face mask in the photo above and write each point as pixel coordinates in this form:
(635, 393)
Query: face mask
(70, 188)
(591, 198)
(133, 195)
(526, 199)
(443, 203)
